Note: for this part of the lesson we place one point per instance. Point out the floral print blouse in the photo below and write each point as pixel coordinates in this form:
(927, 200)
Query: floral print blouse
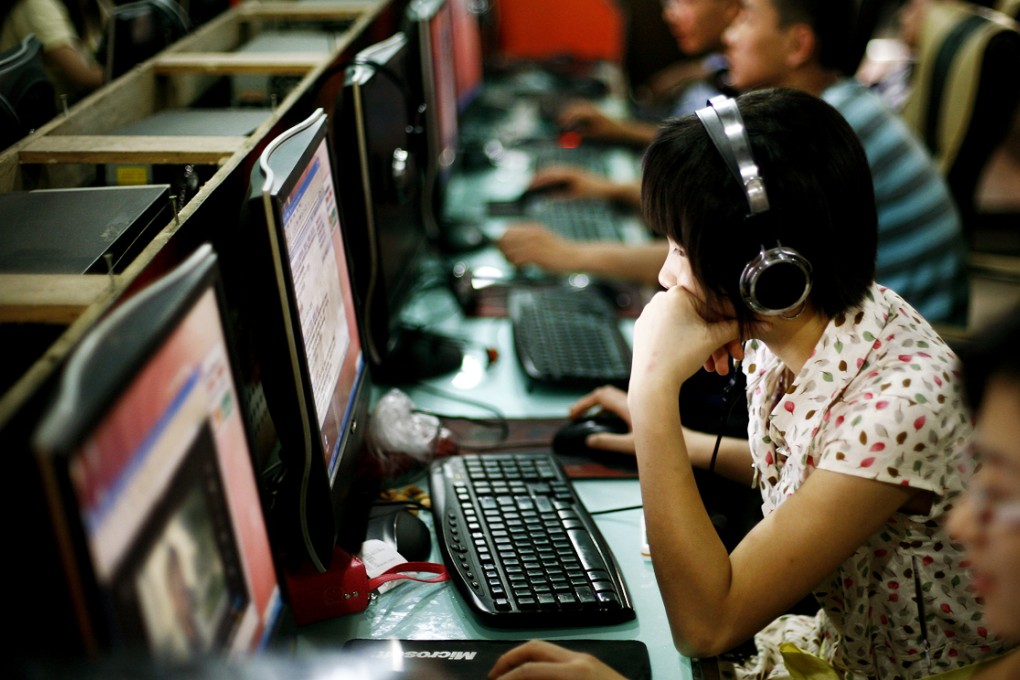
(881, 398)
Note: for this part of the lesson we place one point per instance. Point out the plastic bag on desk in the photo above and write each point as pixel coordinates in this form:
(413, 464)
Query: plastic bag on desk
(401, 439)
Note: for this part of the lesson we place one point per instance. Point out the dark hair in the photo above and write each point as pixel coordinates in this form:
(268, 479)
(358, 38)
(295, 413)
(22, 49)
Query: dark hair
(835, 25)
(992, 353)
(818, 182)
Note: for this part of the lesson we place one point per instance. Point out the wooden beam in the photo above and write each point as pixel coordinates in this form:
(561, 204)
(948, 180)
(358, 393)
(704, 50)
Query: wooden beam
(306, 11)
(225, 63)
(50, 298)
(143, 149)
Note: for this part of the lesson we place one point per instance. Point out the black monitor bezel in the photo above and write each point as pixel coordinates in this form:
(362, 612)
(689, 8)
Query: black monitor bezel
(378, 74)
(420, 15)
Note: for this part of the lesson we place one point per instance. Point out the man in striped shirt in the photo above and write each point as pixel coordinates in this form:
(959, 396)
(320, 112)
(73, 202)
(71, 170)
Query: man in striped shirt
(805, 44)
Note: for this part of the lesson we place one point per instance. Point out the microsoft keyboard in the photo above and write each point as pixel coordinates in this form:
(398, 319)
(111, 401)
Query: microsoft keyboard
(568, 337)
(585, 219)
(520, 546)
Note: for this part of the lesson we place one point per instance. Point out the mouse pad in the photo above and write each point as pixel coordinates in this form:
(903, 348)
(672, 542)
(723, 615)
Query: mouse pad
(479, 435)
(472, 659)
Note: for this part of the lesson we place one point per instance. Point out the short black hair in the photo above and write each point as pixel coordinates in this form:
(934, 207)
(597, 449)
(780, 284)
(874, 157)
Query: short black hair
(819, 186)
(836, 27)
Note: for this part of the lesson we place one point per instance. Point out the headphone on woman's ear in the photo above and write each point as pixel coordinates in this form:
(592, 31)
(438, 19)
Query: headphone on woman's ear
(776, 282)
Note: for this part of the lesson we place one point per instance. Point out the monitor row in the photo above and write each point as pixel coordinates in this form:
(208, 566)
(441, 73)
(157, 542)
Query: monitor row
(178, 532)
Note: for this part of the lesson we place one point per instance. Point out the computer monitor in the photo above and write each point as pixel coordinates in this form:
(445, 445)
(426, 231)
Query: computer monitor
(145, 460)
(381, 184)
(467, 52)
(307, 345)
(430, 30)
(139, 30)
(27, 96)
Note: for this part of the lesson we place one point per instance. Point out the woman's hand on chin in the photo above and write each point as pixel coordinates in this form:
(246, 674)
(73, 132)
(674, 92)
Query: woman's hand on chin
(672, 341)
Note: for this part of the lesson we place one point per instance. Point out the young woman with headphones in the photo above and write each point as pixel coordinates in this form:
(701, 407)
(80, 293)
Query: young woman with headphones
(858, 425)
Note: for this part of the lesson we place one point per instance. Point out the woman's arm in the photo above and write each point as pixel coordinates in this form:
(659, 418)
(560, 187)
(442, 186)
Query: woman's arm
(716, 600)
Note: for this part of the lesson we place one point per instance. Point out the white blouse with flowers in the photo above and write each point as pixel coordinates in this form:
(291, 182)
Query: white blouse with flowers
(881, 398)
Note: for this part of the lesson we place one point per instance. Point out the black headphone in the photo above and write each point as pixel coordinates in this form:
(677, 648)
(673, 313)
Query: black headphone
(788, 269)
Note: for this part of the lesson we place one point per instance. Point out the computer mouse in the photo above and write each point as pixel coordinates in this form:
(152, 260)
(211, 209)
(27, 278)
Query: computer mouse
(402, 529)
(569, 440)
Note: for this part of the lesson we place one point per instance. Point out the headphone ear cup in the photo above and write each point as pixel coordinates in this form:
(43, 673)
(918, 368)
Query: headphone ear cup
(776, 282)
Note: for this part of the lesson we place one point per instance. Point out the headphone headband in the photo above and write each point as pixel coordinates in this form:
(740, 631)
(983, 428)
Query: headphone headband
(725, 127)
(775, 269)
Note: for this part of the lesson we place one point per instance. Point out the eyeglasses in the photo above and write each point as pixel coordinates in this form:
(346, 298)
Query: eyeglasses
(993, 510)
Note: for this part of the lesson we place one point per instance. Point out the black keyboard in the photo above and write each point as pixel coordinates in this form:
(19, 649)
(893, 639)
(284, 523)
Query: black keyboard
(520, 546)
(568, 337)
(592, 159)
(586, 219)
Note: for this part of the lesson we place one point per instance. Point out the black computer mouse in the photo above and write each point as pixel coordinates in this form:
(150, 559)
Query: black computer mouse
(402, 529)
(569, 440)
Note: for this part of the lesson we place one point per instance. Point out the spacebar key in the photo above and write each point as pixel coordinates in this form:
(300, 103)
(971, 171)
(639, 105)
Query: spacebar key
(587, 553)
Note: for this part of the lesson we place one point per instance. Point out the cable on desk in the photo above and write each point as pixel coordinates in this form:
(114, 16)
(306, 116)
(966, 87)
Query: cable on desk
(463, 400)
(610, 511)
(499, 421)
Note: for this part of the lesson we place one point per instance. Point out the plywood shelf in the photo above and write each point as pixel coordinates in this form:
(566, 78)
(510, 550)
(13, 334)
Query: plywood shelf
(51, 298)
(147, 149)
(221, 63)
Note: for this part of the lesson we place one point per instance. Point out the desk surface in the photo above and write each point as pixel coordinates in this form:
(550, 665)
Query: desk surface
(436, 611)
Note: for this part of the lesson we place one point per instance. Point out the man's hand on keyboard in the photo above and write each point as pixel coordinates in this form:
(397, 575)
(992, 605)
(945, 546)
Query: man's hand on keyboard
(539, 660)
(530, 243)
(588, 120)
(572, 182)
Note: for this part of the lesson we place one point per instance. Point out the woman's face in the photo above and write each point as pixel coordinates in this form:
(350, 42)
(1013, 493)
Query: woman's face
(987, 520)
(676, 271)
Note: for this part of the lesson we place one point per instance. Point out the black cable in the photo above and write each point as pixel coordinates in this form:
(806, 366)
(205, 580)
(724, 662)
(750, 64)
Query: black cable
(499, 420)
(729, 402)
(612, 510)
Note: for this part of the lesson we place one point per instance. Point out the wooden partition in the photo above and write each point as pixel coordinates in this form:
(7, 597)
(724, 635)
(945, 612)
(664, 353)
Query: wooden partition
(66, 153)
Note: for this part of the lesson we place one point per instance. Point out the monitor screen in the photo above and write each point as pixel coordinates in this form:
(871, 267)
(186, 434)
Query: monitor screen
(430, 26)
(139, 30)
(430, 30)
(309, 346)
(381, 184)
(467, 52)
(150, 479)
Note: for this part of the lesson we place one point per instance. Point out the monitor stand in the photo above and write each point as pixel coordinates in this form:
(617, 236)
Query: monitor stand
(419, 354)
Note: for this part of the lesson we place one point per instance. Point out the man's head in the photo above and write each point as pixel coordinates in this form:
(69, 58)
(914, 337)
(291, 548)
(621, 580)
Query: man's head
(778, 42)
(818, 185)
(698, 25)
